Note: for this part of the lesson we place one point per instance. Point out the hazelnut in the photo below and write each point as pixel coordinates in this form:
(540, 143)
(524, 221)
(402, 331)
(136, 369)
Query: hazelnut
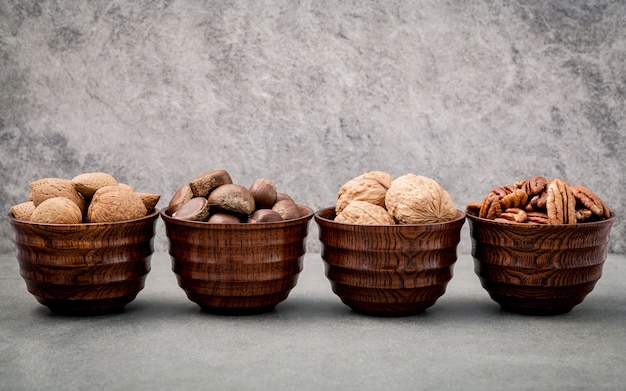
(363, 212)
(234, 198)
(264, 193)
(288, 209)
(204, 184)
(195, 209)
(88, 183)
(264, 216)
(224, 218)
(57, 210)
(23, 211)
(115, 203)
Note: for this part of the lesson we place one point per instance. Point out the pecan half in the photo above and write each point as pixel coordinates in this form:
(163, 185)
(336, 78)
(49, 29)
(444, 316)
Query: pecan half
(514, 214)
(560, 204)
(517, 199)
(583, 214)
(591, 201)
(537, 217)
(535, 185)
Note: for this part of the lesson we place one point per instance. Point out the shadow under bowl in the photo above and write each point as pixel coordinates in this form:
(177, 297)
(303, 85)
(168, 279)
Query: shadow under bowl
(538, 269)
(388, 270)
(85, 269)
(237, 269)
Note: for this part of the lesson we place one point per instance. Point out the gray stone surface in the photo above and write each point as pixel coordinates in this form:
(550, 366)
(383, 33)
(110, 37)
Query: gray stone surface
(311, 341)
(474, 94)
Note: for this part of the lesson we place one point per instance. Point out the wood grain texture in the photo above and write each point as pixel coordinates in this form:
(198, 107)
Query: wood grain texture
(388, 270)
(538, 269)
(237, 269)
(85, 269)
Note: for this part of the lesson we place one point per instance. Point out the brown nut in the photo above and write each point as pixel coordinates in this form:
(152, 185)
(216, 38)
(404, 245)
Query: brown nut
(264, 193)
(195, 209)
(413, 199)
(590, 201)
(287, 209)
(560, 204)
(264, 216)
(204, 184)
(224, 218)
(363, 212)
(23, 211)
(583, 214)
(535, 185)
(516, 215)
(182, 195)
(516, 199)
(233, 198)
(43, 189)
(57, 210)
(283, 196)
(115, 203)
(87, 183)
(537, 217)
(149, 200)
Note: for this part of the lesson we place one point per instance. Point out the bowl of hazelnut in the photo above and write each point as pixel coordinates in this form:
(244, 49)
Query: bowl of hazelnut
(389, 245)
(235, 250)
(84, 244)
(539, 245)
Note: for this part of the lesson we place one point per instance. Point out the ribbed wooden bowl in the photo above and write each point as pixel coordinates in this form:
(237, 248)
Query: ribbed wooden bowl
(538, 269)
(237, 269)
(388, 270)
(85, 269)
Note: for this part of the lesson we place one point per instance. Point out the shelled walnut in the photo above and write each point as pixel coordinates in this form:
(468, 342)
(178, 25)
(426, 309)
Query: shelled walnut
(542, 202)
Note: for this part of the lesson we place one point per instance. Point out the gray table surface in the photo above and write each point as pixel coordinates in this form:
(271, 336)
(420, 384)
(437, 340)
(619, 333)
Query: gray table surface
(312, 341)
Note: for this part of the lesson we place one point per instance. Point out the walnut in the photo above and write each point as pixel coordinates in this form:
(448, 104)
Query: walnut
(115, 203)
(363, 212)
(57, 210)
(413, 199)
(23, 211)
(371, 187)
(88, 183)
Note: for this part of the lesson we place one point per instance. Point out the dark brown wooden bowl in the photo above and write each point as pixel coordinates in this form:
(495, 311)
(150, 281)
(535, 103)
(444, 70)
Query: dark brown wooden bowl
(388, 270)
(538, 269)
(237, 269)
(85, 269)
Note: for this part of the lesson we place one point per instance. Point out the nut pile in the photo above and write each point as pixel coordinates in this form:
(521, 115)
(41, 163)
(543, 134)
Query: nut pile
(95, 197)
(213, 197)
(376, 198)
(539, 201)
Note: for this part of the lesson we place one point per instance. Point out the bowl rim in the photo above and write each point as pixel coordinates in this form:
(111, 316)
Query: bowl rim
(460, 216)
(473, 217)
(155, 212)
(191, 223)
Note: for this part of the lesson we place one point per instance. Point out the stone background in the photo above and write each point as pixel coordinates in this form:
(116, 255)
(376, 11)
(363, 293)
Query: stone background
(473, 94)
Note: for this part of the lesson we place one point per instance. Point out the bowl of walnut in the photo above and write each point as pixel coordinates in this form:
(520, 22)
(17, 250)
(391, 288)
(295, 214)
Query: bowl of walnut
(539, 245)
(235, 250)
(84, 244)
(389, 245)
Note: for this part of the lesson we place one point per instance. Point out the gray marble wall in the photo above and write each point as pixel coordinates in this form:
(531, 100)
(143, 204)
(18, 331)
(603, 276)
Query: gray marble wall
(474, 94)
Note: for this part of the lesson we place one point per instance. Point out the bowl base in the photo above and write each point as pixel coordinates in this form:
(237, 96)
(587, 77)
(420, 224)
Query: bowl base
(86, 307)
(388, 310)
(237, 311)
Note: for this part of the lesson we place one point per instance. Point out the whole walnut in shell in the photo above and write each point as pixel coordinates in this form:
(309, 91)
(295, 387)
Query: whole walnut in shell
(115, 203)
(413, 199)
(363, 212)
(371, 187)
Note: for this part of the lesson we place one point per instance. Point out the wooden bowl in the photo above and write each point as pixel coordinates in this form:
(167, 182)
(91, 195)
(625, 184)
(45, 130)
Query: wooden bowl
(85, 269)
(538, 269)
(388, 270)
(237, 269)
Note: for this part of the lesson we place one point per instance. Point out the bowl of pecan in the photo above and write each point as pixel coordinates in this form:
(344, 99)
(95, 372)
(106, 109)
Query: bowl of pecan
(235, 250)
(84, 244)
(539, 245)
(389, 245)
